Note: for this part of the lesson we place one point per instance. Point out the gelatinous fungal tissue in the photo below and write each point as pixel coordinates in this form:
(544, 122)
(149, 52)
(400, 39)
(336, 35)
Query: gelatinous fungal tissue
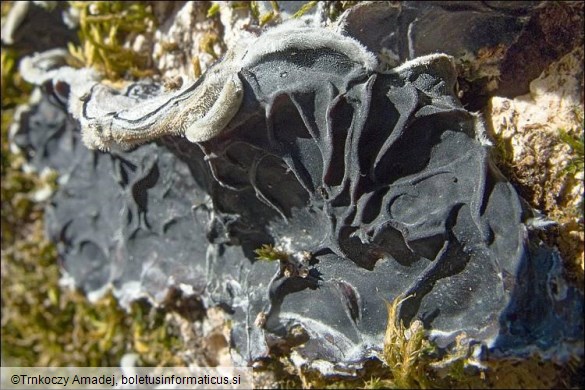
(371, 184)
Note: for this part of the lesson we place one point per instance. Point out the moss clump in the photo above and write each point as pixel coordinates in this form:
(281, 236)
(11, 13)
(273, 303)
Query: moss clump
(269, 253)
(576, 162)
(156, 340)
(105, 29)
(405, 350)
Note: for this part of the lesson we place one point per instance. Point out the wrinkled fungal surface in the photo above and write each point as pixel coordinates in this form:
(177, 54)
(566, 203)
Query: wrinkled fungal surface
(371, 184)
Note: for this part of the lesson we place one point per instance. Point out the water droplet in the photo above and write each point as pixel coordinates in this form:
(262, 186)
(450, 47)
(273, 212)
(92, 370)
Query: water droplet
(283, 74)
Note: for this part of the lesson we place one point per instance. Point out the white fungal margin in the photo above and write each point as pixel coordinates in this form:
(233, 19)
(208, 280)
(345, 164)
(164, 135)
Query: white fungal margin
(284, 38)
(220, 114)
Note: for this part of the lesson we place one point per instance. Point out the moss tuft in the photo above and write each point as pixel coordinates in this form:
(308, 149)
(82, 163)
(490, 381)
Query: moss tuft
(405, 350)
(269, 253)
(576, 162)
(305, 8)
(105, 29)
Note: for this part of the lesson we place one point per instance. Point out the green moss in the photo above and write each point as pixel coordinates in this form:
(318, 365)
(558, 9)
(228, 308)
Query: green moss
(269, 253)
(305, 8)
(405, 351)
(207, 44)
(154, 338)
(213, 10)
(254, 10)
(576, 162)
(105, 26)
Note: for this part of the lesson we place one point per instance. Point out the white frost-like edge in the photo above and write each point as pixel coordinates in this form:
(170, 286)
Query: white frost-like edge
(297, 36)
